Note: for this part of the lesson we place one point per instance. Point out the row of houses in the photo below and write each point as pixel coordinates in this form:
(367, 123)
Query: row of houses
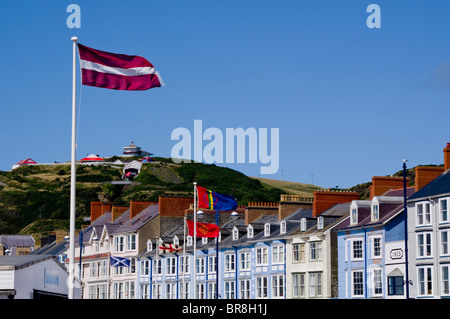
(333, 245)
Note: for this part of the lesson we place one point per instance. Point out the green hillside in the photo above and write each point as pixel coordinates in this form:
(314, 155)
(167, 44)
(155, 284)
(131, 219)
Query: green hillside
(40, 194)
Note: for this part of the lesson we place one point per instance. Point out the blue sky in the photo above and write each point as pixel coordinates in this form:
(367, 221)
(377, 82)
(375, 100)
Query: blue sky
(350, 102)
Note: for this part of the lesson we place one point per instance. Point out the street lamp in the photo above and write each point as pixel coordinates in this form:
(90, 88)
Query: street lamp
(6, 251)
(405, 212)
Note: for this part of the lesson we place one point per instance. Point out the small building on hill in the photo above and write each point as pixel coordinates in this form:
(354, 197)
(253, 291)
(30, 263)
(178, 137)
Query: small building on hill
(91, 159)
(24, 162)
(134, 150)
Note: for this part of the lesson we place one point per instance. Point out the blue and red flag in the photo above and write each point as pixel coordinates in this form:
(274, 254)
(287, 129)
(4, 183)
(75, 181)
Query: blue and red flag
(211, 200)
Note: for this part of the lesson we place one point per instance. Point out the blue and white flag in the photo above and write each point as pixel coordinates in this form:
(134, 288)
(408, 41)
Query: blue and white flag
(119, 261)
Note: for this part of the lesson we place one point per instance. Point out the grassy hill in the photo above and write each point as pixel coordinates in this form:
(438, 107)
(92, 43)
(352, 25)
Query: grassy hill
(288, 187)
(35, 199)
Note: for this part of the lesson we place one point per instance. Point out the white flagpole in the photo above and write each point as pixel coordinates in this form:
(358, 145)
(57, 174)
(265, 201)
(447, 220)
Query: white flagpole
(183, 292)
(195, 240)
(71, 282)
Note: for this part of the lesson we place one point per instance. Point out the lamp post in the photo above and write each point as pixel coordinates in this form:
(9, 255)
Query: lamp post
(405, 212)
(6, 251)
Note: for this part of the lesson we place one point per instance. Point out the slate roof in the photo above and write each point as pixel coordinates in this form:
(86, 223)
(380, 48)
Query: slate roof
(54, 249)
(22, 261)
(139, 220)
(438, 186)
(17, 240)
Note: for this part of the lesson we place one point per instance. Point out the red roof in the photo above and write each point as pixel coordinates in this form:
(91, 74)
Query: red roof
(26, 162)
(92, 158)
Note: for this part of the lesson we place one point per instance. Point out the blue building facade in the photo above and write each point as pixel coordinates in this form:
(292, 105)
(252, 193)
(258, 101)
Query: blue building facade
(371, 246)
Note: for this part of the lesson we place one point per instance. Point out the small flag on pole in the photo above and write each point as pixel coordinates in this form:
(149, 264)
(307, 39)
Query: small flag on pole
(119, 261)
(203, 230)
(169, 248)
(211, 200)
(117, 71)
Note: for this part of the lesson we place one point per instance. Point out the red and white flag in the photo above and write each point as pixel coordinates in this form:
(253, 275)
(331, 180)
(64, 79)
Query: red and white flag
(117, 71)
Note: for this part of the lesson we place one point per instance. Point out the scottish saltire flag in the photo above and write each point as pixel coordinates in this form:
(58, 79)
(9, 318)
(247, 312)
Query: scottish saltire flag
(211, 200)
(117, 71)
(119, 261)
(203, 229)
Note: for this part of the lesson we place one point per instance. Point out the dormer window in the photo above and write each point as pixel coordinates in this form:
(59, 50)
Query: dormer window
(266, 229)
(303, 224)
(354, 216)
(149, 245)
(235, 233)
(375, 212)
(204, 240)
(320, 222)
(189, 240)
(176, 241)
(250, 231)
(283, 227)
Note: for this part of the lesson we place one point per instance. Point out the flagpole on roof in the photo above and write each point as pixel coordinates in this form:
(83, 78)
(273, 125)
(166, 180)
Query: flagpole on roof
(71, 282)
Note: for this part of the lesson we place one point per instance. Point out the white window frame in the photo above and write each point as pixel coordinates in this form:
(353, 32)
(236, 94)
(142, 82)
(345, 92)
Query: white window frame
(230, 262)
(262, 287)
(245, 260)
(425, 282)
(283, 227)
(352, 256)
(362, 283)
(266, 229)
(375, 212)
(277, 254)
(277, 286)
(320, 222)
(445, 280)
(245, 289)
(171, 265)
(200, 264)
(230, 289)
(212, 264)
(315, 284)
(315, 251)
(184, 265)
(426, 245)
(303, 224)
(235, 233)
(423, 214)
(377, 282)
(446, 210)
(444, 244)
(298, 285)
(354, 216)
(250, 231)
(262, 256)
(372, 240)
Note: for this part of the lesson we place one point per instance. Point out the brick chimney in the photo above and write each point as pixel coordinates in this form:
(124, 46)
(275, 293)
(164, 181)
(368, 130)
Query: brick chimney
(98, 209)
(327, 199)
(382, 184)
(174, 206)
(137, 206)
(447, 157)
(290, 203)
(425, 174)
(254, 210)
(116, 211)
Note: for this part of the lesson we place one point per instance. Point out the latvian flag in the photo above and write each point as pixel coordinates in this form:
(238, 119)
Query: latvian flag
(117, 71)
